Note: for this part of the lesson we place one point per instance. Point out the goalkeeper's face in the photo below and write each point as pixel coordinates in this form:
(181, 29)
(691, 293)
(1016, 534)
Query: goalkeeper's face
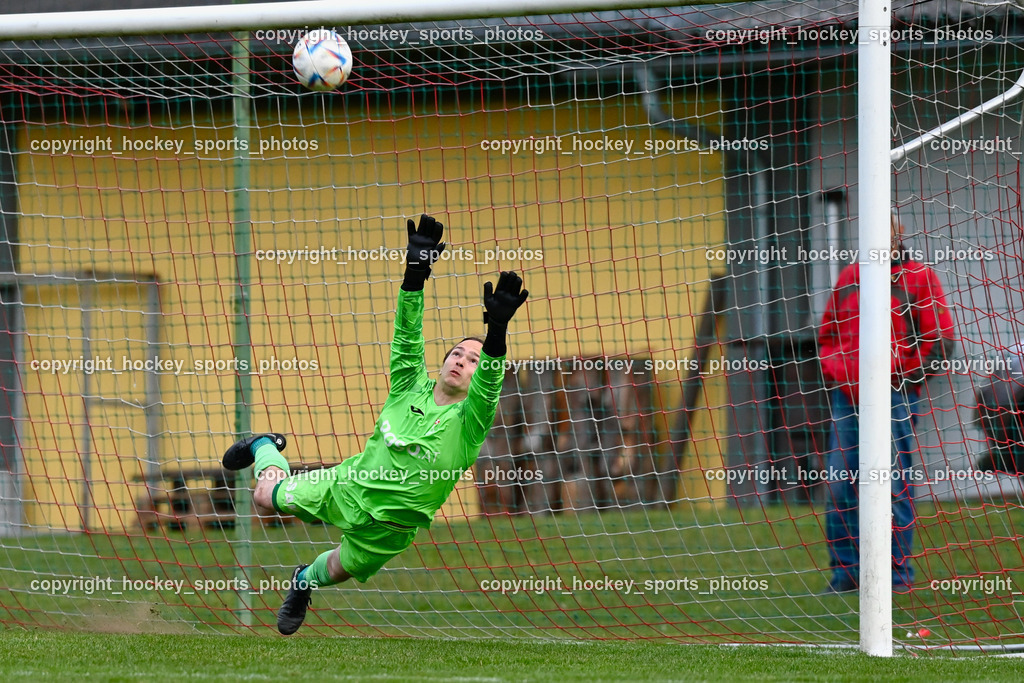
(459, 366)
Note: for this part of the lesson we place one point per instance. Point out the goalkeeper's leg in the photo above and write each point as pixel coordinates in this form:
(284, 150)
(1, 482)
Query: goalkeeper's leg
(319, 495)
(263, 493)
(263, 452)
(366, 543)
(306, 497)
(326, 570)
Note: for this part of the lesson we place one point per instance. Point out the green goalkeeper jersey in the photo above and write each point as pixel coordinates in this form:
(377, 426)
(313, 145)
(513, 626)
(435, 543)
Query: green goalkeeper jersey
(419, 450)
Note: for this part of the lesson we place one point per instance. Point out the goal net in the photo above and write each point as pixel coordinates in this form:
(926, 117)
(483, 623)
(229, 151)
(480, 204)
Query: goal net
(194, 247)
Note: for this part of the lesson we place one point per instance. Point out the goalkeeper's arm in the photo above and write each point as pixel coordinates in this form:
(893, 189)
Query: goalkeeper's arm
(425, 247)
(500, 304)
(408, 362)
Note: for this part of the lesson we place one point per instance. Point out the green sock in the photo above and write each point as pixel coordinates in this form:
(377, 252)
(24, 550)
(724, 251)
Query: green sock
(316, 574)
(266, 456)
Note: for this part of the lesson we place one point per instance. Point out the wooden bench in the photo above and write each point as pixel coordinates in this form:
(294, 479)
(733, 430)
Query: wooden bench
(197, 498)
(187, 498)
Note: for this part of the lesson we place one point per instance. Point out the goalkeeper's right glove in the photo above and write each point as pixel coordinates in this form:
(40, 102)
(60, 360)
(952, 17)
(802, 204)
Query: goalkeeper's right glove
(425, 247)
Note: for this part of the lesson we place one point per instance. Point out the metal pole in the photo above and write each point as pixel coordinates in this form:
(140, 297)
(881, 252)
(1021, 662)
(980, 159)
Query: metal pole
(967, 117)
(152, 404)
(86, 502)
(242, 346)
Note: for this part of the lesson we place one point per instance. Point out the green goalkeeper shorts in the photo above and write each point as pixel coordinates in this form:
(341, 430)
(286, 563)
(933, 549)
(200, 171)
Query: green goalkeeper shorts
(366, 543)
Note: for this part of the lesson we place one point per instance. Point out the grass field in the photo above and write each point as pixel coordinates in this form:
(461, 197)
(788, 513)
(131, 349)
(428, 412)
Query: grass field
(434, 590)
(49, 655)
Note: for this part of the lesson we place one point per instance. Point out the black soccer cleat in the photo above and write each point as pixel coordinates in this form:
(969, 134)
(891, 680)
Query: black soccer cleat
(293, 611)
(239, 455)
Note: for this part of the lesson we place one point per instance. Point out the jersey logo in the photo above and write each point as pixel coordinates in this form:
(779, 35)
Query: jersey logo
(416, 410)
(414, 449)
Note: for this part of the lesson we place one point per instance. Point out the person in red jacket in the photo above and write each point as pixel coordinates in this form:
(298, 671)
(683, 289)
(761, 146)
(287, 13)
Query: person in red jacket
(922, 333)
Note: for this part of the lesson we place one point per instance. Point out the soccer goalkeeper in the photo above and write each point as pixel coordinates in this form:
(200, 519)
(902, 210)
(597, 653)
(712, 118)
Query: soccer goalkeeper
(428, 433)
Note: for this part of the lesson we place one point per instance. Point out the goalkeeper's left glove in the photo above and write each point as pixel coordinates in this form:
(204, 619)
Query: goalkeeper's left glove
(500, 304)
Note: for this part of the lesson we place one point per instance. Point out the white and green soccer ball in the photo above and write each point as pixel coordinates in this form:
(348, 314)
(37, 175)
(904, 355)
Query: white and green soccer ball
(322, 60)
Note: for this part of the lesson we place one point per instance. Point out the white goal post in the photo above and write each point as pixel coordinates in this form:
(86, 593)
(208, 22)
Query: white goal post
(254, 16)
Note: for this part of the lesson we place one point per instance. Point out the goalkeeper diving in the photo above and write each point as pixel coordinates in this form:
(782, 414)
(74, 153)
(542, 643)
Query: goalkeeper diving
(429, 432)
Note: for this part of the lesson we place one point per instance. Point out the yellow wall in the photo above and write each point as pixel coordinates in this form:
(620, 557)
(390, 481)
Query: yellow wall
(622, 271)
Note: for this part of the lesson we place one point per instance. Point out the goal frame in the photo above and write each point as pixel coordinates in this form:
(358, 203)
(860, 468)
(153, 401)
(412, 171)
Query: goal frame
(876, 159)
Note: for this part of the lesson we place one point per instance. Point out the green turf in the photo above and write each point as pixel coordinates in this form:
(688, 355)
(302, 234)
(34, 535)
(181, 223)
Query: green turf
(50, 655)
(433, 590)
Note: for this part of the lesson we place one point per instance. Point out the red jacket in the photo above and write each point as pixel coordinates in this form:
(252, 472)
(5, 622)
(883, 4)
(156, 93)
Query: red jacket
(921, 321)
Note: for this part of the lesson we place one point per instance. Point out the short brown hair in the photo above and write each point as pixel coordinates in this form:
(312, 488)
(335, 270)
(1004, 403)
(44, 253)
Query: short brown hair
(476, 339)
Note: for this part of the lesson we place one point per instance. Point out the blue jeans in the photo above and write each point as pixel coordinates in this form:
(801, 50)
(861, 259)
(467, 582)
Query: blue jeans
(841, 523)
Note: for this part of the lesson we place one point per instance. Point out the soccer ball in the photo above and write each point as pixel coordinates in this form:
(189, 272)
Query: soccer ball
(322, 60)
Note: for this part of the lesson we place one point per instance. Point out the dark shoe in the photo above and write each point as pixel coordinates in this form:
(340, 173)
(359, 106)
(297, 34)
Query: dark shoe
(239, 455)
(293, 611)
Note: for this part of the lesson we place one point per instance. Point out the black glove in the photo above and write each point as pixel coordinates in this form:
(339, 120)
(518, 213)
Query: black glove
(425, 247)
(502, 302)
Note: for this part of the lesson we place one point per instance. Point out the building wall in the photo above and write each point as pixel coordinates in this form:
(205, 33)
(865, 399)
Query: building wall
(623, 268)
